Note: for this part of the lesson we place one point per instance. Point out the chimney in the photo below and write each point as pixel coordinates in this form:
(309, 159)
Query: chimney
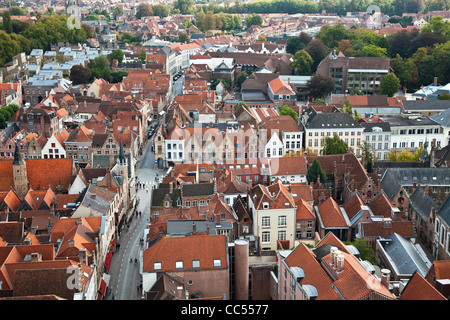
(79, 221)
(387, 223)
(71, 243)
(340, 262)
(332, 253)
(35, 257)
(82, 257)
(435, 81)
(385, 277)
(194, 227)
(180, 294)
(27, 241)
(336, 254)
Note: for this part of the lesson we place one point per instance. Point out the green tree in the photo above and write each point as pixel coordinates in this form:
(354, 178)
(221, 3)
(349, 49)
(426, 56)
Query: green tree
(438, 26)
(315, 171)
(144, 10)
(184, 6)
(241, 104)
(160, 10)
(18, 11)
(374, 51)
(365, 249)
(116, 54)
(117, 11)
(317, 50)
(295, 44)
(331, 35)
(241, 78)
(143, 56)
(286, 111)
(302, 63)
(118, 76)
(253, 20)
(92, 17)
(183, 38)
(390, 84)
(99, 67)
(334, 145)
(320, 86)
(8, 47)
(7, 22)
(80, 75)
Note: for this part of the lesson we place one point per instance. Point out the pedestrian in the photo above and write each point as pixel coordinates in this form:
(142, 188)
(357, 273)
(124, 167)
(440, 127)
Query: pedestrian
(113, 296)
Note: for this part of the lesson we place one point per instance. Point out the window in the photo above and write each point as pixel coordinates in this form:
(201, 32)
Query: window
(179, 264)
(217, 263)
(195, 263)
(282, 221)
(265, 237)
(157, 266)
(310, 224)
(265, 222)
(281, 235)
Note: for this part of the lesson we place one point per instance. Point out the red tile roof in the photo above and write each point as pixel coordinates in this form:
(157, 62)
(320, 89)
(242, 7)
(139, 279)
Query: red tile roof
(418, 288)
(304, 210)
(168, 250)
(331, 214)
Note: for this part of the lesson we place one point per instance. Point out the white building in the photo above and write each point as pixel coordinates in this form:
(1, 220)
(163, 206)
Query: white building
(55, 148)
(378, 136)
(411, 132)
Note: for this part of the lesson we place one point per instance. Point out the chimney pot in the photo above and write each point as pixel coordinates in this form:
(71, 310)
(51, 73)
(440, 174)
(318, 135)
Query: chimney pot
(385, 277)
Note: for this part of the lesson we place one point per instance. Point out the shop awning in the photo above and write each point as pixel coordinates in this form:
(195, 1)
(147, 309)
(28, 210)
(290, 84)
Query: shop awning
(103, 286)
(108, 260)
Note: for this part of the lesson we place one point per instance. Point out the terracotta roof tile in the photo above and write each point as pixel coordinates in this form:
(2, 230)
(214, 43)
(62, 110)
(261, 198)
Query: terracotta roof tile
(418, 288)
(168, 250)
(304, 258)
(331, 214)
(304, 210)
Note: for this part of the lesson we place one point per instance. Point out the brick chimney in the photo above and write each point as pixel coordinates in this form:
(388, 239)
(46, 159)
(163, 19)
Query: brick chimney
(385, 277)
(387, 223)
(35, 257)
(82, 256)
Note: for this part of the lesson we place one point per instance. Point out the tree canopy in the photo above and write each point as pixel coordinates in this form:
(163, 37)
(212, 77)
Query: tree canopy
(334, 145)
(286, 111)
(315, 171)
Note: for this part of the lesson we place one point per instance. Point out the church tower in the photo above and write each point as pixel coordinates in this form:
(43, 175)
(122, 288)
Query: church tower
(20, 174)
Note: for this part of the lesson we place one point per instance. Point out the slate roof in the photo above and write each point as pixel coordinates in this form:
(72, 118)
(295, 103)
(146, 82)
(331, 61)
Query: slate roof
(331, 121)
(389, 184)
(442, 118)
(399, 121)
(422, 176)
(444, 211)
(159, 194)
(415, 105)
(198, 189)
(404, 255)
(422, 203)
(101, 202)
(368, 126)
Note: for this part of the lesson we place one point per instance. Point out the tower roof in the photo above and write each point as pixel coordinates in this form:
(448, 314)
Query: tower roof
(17, 156)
